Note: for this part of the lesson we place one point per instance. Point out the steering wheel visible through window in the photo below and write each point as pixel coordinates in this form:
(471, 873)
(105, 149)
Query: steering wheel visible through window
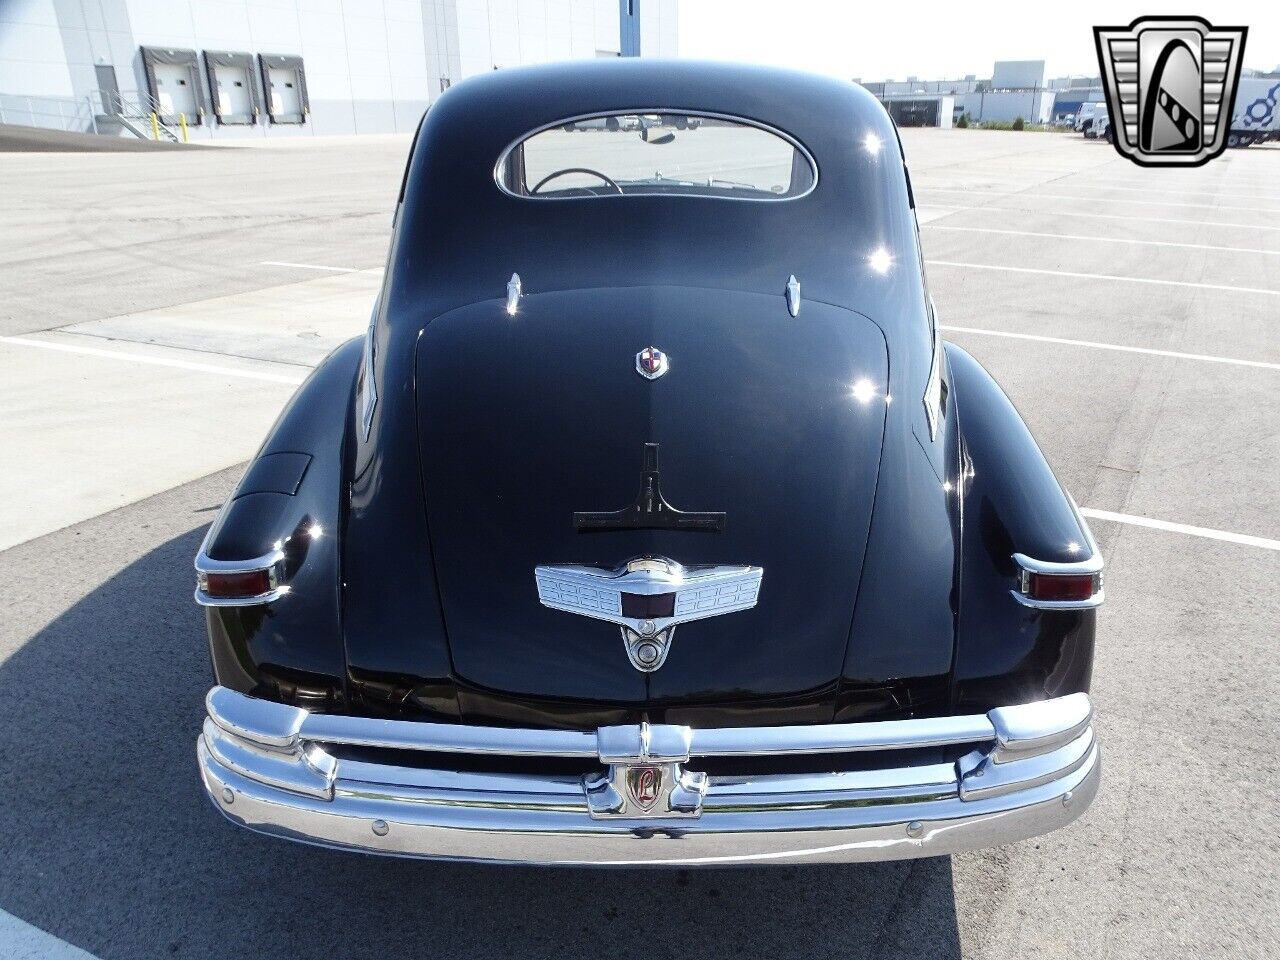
(555, 174)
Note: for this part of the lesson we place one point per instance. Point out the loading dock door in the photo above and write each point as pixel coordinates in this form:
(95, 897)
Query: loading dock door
(231, 82)
(286, 98)
(175, 90)
(284, 86)
(173, 81)
(232, 91)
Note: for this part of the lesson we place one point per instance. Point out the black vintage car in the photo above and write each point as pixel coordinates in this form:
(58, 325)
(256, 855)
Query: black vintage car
(652, 522)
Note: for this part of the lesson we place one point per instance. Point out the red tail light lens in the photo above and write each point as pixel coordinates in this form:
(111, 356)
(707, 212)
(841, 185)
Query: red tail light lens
(1072, 586)
(229, 585)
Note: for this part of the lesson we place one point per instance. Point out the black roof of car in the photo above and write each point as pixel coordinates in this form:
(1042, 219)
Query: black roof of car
(461, 237)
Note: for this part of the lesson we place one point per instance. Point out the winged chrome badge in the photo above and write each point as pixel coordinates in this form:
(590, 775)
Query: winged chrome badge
(648, 598)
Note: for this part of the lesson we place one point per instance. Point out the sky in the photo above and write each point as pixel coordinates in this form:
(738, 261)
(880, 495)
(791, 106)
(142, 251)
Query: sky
(890, 40)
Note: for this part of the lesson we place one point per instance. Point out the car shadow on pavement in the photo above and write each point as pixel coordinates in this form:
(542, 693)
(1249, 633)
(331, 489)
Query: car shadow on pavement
(109, 843)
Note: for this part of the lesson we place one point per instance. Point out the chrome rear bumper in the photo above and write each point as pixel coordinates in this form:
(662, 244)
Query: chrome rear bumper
(272, 768)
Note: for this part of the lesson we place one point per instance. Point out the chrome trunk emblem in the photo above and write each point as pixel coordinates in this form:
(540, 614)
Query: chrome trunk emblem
(651, 363)
(648, 598)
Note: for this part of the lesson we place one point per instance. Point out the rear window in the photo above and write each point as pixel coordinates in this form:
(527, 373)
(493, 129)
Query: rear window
(628, 154)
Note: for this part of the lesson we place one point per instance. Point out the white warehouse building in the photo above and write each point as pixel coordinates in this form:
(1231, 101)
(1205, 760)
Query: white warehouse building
(236, 68)
(1017, 88)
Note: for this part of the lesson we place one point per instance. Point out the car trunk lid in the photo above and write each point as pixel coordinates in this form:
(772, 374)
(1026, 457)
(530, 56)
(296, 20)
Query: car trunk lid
(774, 421)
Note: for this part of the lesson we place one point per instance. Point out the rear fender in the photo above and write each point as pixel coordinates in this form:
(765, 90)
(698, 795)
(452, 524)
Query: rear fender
(1007, 652)
(289, 505)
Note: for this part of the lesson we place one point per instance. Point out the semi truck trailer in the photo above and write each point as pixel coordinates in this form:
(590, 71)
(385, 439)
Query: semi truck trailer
(1255, 117)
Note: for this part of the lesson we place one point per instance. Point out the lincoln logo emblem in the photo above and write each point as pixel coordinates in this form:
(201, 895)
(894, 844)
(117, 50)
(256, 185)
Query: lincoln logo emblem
(644, 783)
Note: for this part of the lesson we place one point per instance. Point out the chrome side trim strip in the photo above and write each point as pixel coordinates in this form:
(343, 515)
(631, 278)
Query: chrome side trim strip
(933, 386)
(368, 384)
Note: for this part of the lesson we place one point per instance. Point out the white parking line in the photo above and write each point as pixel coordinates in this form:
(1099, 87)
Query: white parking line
(1072, 236)
(983, 192)
(1178, 193)
(290, 378)
(1107, 216)
(1104, 276)
(307, 266)
(19, 940)
(1166, 525)
(1112, 346)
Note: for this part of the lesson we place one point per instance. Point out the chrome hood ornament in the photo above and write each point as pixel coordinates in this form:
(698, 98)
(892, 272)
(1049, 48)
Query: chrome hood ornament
(648, 598)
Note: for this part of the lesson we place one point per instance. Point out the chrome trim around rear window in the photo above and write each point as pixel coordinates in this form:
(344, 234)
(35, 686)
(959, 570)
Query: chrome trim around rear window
(745, 121)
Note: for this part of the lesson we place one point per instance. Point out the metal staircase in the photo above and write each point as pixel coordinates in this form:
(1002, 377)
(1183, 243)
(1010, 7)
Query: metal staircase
(139, 114)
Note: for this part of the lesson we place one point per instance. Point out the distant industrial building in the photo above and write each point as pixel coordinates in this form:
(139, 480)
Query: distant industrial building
(1072, 93)
(1016, 88)
(288, 67)
(920, 109)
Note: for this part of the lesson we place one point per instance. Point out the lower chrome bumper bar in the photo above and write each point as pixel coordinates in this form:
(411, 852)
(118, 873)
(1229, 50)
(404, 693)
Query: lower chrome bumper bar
(284, 771)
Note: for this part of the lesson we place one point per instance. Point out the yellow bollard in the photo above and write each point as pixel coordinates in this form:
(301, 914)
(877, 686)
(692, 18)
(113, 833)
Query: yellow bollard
(155, 127)
(182, 122)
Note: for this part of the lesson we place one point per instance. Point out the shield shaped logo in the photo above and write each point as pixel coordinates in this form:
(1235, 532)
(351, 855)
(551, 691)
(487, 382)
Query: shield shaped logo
(1170, 84)
(644, 783)
(651, 363)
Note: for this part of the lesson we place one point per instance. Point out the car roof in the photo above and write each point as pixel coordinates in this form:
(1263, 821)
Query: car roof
(459, 237)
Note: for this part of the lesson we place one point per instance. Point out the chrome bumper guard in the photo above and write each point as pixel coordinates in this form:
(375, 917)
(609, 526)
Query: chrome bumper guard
(272, 768)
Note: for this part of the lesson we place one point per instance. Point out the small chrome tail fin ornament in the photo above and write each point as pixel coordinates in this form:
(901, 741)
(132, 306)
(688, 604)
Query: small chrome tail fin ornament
(514, 292)
(793, 295)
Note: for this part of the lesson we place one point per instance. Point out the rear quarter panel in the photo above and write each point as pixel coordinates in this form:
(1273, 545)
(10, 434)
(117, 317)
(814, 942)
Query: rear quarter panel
(1007, 653)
